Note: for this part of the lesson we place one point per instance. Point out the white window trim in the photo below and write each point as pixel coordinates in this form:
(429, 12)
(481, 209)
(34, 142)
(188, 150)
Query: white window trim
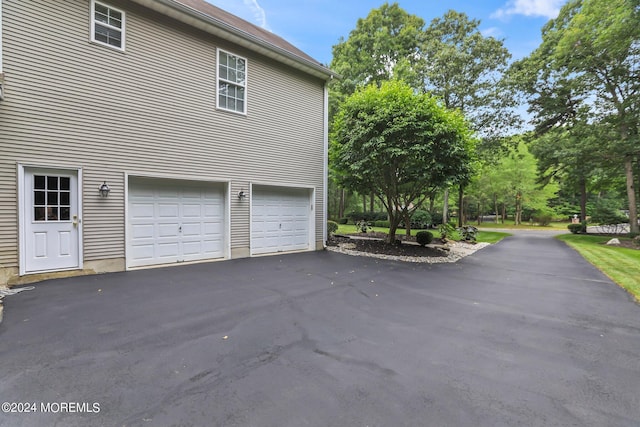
(245, 86)
(92, 30)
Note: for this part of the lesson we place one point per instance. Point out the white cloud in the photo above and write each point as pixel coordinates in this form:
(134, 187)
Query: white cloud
(249, 10)
(492, 32)
(545, 8)
(259, 14)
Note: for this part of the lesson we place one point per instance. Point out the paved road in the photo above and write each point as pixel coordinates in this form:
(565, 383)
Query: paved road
(523, 333)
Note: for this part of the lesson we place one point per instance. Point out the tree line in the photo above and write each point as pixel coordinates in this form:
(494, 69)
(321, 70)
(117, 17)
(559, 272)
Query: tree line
(425, 112)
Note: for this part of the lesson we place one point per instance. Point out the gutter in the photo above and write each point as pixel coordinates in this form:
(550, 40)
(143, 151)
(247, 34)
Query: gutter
(217, 27)
(1, 74)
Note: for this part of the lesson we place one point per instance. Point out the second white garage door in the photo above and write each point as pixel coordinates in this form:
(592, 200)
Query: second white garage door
(174, 221)
(280, 219)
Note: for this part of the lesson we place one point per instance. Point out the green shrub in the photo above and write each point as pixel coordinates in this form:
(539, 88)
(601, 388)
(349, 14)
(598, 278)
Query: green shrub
(343, 220)
(436, 219)
(332, 227)
(468, 233)
(367, 216)
(363, 226)
(574, 228)
(424, 237)
(421, 219)
(578, 228)
(446, 230)
(606, 212)
(542, 217)
(382, 224)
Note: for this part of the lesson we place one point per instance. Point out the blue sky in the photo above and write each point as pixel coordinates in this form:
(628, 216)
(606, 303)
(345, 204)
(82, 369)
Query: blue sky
(316, 25)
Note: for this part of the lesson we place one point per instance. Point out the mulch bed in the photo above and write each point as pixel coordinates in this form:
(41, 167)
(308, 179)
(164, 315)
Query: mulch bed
(372, 245)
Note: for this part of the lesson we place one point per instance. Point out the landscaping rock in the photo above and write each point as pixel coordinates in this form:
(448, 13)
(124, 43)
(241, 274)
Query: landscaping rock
(613, 241)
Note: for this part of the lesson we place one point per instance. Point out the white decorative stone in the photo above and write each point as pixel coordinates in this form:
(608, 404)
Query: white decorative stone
(613, 241)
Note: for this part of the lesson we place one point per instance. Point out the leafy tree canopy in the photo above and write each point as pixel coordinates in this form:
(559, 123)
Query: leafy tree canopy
(589, 64)
(399, 145)
(384, 45)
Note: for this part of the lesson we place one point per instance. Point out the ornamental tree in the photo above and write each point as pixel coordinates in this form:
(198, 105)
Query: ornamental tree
(399, 145)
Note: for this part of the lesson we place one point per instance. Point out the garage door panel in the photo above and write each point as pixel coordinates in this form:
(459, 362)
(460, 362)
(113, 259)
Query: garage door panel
(141, 210)
(191, 210)
(167, 229)
(175, 221)
(280, 219)
(142, 251)
(165, 210)
(142, 231)
(213, 228)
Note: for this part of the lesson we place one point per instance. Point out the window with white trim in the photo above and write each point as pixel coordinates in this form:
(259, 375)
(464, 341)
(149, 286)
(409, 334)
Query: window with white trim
(232, 82)
(107, 25)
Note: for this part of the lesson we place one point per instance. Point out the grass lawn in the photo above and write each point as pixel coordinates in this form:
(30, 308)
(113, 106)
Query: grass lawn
(483, 236)
(526, 226)
(491, 236)
(622, 265)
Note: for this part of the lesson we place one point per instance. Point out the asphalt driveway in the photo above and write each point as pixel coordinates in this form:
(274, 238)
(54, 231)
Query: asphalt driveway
(523, 333)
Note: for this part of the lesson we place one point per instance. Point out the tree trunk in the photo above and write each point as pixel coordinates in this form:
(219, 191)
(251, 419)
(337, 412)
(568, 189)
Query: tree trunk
(364, 203)
(518, 216)
(583, 199)
(341, 204)
(504, 212)
(394, 220)
(631, 194)
(407, 223)
(479, 214)
(445, 207)
(495, 205)
(371, 203)
(461, 219)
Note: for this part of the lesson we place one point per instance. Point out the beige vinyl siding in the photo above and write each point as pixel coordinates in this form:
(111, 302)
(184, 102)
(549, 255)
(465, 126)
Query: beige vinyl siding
(241, 212)
(149, 110)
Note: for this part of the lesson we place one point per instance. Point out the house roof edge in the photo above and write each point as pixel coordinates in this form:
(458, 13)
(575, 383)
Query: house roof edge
(213, 25)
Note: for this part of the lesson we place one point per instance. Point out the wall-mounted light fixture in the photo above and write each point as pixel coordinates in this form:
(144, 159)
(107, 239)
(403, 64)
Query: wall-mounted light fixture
(242, 195)
(104, 189)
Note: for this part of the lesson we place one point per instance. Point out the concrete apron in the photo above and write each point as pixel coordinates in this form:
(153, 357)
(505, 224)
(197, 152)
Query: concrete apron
(4, 291)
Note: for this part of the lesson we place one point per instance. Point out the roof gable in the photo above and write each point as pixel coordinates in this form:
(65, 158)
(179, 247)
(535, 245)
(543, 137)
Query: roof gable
(210, 18)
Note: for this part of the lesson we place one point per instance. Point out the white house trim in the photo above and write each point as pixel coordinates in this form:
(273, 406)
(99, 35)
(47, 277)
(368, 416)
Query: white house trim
(22, 215)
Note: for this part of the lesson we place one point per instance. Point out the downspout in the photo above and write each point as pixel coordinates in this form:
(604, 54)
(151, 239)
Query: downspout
(325, 155)
(1, 69)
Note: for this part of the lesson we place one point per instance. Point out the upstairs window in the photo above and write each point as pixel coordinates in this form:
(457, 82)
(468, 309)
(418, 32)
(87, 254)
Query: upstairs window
(107, 25)
(232, 82)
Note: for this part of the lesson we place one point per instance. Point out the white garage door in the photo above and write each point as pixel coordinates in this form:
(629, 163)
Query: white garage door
(174, 221)
(280, 219)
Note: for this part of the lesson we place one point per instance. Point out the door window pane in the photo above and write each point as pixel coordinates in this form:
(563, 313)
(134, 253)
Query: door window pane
(39, 197)
(38, 213)
(65, 183)
(52, 198)
(52, 213)
(52, 183)
(39, 182)
(65, 213)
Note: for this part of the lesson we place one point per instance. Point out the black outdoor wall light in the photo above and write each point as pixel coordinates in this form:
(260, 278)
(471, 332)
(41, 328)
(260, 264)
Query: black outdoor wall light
(104, 189)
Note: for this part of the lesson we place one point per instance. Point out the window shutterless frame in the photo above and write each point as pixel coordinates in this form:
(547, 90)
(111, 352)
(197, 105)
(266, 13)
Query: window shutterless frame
(231, 82)
(107, 25)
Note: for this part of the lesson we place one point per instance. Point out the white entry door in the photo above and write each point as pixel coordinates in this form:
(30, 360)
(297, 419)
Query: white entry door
(50, 220)
(280, 219)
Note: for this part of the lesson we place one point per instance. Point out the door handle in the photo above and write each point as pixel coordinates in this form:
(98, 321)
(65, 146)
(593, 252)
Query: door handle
(76, 221)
